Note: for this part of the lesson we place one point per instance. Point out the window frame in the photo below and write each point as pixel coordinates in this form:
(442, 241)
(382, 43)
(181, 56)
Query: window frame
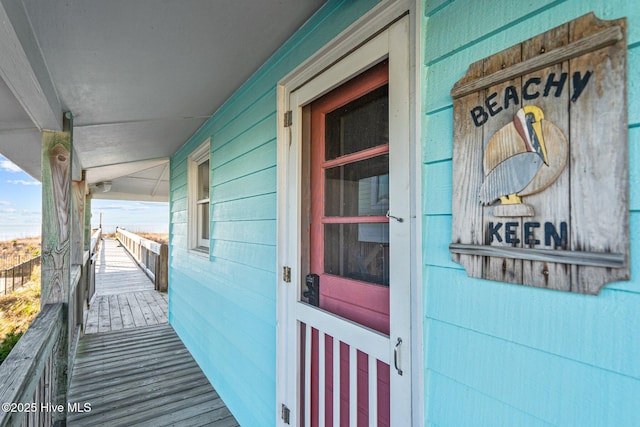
(195, 223)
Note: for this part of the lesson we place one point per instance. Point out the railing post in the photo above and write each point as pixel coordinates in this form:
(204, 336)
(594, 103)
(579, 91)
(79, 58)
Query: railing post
(162, 275)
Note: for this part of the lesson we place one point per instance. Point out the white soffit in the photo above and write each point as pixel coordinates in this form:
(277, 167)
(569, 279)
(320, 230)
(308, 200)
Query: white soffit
(139, 76)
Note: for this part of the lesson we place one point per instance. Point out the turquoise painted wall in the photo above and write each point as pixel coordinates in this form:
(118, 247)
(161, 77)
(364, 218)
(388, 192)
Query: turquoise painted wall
(495, 354)
(502, 354)
(224, 306)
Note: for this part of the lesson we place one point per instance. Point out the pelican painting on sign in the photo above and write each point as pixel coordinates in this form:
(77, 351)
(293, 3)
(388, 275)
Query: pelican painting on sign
(540, 173)
(524, 157)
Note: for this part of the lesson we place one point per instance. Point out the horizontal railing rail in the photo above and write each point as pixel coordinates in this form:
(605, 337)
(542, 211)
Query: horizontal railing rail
(151, 256)
(30, 375)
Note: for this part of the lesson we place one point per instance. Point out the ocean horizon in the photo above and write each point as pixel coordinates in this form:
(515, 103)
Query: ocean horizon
(22, 231)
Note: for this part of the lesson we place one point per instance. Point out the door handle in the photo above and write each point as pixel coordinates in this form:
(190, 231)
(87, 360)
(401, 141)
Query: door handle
(396, 349)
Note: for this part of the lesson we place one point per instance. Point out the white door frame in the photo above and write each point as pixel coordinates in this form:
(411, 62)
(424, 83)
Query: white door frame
(364, 48)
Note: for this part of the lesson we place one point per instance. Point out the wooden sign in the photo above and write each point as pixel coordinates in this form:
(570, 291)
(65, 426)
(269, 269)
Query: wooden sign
(540, 173)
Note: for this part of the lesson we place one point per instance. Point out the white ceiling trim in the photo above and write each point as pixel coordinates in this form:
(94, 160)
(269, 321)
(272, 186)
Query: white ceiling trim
(128, 122)
(134, 197)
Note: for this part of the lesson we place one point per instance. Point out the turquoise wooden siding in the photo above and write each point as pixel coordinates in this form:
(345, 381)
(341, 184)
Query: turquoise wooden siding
(495, 354)
(502, 354)
(223, 306)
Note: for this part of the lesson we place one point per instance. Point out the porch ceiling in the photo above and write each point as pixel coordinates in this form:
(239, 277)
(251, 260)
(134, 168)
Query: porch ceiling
(139, 76)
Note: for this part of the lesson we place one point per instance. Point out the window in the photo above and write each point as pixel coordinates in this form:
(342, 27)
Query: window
(199, 198)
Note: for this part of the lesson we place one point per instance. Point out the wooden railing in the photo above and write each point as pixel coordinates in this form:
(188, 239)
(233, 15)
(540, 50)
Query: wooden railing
(33, 374)
(88, 272)
(151, 256)
(94, 247)
(34, 377)
(81, 291)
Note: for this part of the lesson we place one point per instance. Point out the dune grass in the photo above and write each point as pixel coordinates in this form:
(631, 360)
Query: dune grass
(17, 311)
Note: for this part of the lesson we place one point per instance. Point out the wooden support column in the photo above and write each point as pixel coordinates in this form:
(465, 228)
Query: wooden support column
(56, 216)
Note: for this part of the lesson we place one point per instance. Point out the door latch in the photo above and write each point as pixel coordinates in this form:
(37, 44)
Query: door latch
(313, 289)
(388, 215)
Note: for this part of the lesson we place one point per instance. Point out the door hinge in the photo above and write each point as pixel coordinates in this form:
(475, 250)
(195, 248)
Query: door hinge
(286, 274)
(286, 414)
(288, 118)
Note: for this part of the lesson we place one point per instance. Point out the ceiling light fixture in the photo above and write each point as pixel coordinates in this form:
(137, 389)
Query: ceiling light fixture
(104, 186)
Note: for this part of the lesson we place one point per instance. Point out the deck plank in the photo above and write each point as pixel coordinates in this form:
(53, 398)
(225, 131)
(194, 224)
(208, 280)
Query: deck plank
(154, 305)
(91, 326)
(138, 315)
(114, 313)
(125, 312)
(149, 317)
(104, 321)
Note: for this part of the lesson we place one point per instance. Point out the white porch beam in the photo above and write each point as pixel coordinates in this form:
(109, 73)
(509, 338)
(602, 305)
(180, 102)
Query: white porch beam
(23, 68)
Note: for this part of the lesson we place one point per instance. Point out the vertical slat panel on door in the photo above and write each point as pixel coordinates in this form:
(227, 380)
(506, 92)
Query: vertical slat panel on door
(353, 386)
(336, 382)
(373, 391)
(307, 375)
(322, 363)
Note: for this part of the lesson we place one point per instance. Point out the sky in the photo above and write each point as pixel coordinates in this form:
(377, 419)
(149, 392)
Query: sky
(21, 208)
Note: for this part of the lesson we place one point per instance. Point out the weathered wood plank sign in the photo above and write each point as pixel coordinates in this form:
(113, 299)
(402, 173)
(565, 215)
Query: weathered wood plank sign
(540, 164)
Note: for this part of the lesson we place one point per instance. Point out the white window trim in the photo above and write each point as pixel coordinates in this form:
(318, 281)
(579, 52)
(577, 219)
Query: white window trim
(199, 156)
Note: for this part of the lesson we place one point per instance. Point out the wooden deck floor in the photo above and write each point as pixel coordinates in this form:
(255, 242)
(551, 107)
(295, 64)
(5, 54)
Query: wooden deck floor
(131, 368)
(125, 297)
(142, 377)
